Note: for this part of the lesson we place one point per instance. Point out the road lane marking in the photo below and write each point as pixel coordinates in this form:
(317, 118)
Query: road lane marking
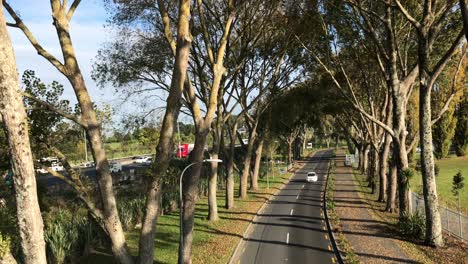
(326, 236)
(287, 238)
(323, 227)
(329, 247)
(303, 185)
(333, 260)
(290, 213)
(297, 197)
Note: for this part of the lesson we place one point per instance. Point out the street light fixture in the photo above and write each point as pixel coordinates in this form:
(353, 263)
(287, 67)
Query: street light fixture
(182, 202)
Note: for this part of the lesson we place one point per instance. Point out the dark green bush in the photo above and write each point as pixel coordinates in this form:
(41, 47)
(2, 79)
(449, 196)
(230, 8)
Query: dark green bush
(412, 226)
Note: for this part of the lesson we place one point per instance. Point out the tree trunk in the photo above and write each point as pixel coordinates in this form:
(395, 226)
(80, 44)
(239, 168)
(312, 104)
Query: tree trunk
(213, 186)
(230, 169)
(374, 170)
(365, 160)
(392, 188)
(12, 111)
(464, 13)
(247, 160)
(258, 159)
(190, 195)
(383, 164)
(165, 144)
(290, 154)
(431, 204)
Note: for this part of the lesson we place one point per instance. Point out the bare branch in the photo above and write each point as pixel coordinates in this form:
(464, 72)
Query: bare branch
(52, 108)
(72, 9)
(40, 50)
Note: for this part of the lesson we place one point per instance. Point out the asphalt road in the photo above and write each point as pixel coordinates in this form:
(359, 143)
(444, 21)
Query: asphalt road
(90, 173)
(291, 228)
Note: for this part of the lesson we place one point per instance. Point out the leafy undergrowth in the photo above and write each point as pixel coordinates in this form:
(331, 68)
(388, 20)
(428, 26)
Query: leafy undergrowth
(454, 250)
(343, 243)
(213, 242)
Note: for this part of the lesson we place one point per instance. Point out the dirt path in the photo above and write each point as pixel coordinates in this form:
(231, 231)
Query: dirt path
(369, 237)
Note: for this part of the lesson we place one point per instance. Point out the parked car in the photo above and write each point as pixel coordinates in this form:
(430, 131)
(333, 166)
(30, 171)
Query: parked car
(312, 176)
(88, 164)
(115, 167)
(140, 159)
(148, 161)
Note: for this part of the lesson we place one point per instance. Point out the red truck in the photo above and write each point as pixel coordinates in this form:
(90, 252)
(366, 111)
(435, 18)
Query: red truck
(184, 150)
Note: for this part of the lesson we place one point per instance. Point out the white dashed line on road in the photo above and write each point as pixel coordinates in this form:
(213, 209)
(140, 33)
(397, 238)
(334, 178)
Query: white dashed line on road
(297, 197)
(290, 213)
(287, 238)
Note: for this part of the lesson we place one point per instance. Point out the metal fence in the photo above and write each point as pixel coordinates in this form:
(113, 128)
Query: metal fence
(453, 222)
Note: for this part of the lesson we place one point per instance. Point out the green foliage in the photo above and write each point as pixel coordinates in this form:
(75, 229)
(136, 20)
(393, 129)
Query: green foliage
(9, 230)
(61, 235)
(42, 122)
(4, 245)
(408, 174)
(131, 211)
(460, 140)
(457, 183)
(413, 225)
(443, 132)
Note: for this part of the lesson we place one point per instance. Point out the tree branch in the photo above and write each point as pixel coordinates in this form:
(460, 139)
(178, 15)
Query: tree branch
(40, 50)
(56, 110)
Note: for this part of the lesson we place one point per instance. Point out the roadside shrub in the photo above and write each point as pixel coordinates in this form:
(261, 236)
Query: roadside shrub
(4, 245)
(131, 211)
(61, 235)
(9, 231)
(412, 226)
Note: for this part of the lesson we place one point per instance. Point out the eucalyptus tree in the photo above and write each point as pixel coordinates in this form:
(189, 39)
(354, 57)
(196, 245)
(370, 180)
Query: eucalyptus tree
(429, 20)
(62, 15)
(13, 117)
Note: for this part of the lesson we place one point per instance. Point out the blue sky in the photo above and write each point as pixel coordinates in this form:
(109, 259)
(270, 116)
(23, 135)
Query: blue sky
(87, 32)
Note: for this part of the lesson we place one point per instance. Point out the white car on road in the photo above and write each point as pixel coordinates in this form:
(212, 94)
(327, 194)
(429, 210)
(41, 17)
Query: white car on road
(115, 166)
(312, 176)
(141, 159)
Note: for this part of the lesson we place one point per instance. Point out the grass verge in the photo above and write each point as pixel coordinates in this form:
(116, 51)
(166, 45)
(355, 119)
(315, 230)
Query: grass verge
(343, 243)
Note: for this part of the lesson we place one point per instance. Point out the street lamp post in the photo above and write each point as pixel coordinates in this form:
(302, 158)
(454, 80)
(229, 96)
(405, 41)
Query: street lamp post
(181, 247)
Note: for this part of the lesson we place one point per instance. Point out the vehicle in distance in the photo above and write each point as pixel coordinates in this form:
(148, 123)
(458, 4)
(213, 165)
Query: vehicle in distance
(52, 162)
(148, 161)
(312, 176)
(115, 166)
(88, 164)
(140, 159)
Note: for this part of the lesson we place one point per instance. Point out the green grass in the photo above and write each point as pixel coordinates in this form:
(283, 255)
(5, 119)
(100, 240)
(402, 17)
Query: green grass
(448, 168)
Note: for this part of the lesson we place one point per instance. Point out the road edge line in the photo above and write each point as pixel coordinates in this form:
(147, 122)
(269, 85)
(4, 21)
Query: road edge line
(339, 257)
(248, 229)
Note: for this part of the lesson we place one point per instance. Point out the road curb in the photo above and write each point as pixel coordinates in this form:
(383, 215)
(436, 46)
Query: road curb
(336, 249)
(247, 231)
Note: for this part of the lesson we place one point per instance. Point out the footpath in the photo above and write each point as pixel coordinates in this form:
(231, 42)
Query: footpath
(370, 239)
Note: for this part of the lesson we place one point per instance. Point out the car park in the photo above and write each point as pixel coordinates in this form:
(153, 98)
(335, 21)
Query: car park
(312, 176)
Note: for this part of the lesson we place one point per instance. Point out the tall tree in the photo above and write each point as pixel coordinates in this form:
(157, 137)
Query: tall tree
(435, 16)
(165, 145)
(13, 115)
(62, 15)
